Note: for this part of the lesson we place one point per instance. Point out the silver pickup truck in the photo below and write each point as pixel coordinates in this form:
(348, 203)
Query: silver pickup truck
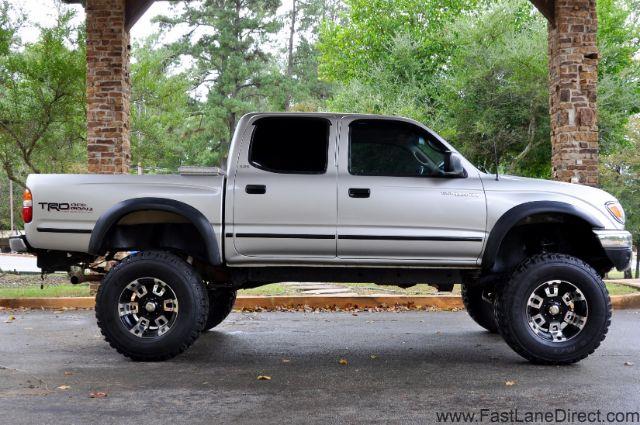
(340, 198)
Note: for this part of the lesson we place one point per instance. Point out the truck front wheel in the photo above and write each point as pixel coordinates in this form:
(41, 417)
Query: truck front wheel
(555, 309)
(221, 303)
(152, 306)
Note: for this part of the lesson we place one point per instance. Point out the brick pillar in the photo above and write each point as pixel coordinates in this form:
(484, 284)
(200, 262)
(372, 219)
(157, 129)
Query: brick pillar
(573, 76)
(108, 87)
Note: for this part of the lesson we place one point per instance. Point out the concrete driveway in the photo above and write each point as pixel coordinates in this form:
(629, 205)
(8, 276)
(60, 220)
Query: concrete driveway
(402, 368)
(19, 263)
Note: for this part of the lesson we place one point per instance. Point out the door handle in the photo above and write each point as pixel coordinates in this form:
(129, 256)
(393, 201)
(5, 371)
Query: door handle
(256, 189)
(359, 193)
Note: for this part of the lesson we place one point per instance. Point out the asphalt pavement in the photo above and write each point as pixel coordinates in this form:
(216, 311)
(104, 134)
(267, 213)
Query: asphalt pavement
(402, 367)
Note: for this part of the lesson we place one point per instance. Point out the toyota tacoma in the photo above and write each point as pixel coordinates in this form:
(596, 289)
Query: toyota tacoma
(339, 198)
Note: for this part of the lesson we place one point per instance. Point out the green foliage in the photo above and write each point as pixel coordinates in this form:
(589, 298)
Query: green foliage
(302, 88)
(166, 123)
(371, 28)
(403, 93)
(8, 29)
(495, 93)
(42, 103)
(476, 72)
(226, 41)
(619, 70)
(620, 176)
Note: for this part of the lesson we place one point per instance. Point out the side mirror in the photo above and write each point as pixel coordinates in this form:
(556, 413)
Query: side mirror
(453, 165)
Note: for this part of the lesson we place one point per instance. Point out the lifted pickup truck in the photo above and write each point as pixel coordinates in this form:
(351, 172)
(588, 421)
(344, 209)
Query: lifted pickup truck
(341, 198)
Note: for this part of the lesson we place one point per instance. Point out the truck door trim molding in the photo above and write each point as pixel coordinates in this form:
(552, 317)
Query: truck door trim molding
(357, 237)
(56, 230)
(413, 238)
(283, 236)
(119, 210)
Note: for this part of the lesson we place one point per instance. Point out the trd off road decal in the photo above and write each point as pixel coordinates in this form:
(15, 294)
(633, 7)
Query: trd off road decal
(74, 207)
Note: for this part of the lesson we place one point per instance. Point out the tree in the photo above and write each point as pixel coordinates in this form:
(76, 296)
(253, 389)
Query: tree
(396, 87)
(167, 125)
(8, 29)
(618, 71)
(481, 79)
(304, 89)
(495, 93)
(42, 103)
(225, 41)
(369, 29)
(620, 176)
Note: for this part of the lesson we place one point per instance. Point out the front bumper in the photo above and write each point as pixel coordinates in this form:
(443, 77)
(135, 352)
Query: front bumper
(18, 244)
(618, 245)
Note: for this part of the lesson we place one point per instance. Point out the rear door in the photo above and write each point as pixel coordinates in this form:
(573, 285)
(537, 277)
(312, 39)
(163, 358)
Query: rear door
(284, 200)
(395, 204)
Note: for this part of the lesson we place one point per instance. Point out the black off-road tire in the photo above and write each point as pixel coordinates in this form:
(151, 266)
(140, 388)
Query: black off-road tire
(511, 305)
(221, 303)
(479, 309)
(190, 292)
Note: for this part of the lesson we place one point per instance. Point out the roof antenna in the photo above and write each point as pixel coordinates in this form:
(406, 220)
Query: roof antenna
(495, 156)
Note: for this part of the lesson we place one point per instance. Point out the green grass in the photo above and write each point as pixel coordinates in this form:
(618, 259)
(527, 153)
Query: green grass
(615, 289)
(272, 289)
(615, 274)
(67, 290)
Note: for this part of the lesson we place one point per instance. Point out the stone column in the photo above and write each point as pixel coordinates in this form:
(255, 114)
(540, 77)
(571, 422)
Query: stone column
(108, 87)
(573, 76)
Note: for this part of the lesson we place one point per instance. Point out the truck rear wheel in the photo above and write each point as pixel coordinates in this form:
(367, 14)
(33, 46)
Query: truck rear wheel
(554, 310)
(152, 306)
(221, 303)
(480, 308)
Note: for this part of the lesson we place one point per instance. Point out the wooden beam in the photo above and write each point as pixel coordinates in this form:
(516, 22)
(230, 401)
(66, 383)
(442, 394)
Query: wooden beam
(547, 8)
(134, 10)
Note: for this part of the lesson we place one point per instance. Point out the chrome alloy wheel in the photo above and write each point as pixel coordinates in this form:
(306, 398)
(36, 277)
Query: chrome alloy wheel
(557, 311)
(148, 307)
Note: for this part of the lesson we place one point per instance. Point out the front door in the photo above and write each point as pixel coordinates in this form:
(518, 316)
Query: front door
(395, 203)
(284, 200)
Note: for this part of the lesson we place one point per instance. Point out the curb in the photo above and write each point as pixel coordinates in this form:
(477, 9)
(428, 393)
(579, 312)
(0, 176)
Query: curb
(445, 302)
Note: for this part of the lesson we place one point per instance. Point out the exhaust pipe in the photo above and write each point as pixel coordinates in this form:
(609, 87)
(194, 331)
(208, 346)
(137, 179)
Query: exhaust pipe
(78, 276)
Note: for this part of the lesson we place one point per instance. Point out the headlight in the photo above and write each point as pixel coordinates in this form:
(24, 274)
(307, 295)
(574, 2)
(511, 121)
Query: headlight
(615, 209)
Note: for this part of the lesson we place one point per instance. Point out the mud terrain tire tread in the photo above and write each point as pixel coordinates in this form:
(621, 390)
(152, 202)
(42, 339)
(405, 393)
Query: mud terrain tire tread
(506, 298)
(221, 303)
(479, 310)
(192, 284)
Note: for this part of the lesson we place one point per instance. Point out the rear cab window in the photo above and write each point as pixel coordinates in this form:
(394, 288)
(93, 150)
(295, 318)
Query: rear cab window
(290, 145)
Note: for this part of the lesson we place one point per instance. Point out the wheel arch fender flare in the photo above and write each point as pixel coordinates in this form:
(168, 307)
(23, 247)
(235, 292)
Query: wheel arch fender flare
(111, 217)
(515, 215)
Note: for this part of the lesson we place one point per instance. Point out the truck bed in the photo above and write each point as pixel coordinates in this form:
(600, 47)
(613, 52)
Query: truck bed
(66, 207)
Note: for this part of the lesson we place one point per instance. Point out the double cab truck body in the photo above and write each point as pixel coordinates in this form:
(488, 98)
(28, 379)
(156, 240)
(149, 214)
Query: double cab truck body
(333, 197)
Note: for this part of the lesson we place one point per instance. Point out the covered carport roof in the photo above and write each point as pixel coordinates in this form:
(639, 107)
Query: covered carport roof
(134, 9)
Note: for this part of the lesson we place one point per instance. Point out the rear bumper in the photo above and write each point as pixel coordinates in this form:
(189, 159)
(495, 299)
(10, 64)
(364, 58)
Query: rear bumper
(18, 244)
(618, 245)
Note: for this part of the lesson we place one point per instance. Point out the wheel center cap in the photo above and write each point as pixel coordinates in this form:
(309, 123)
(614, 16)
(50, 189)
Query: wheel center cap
(150, 307)
(554, 309)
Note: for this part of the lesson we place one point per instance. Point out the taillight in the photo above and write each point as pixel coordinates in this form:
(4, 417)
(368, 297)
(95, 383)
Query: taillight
(27, 206)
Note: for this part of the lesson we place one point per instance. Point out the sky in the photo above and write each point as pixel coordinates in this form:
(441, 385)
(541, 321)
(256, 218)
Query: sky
(44, 12)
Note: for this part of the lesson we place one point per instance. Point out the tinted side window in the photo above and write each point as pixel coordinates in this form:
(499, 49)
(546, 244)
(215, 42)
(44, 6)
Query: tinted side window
(295, 145)
(393, 148)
